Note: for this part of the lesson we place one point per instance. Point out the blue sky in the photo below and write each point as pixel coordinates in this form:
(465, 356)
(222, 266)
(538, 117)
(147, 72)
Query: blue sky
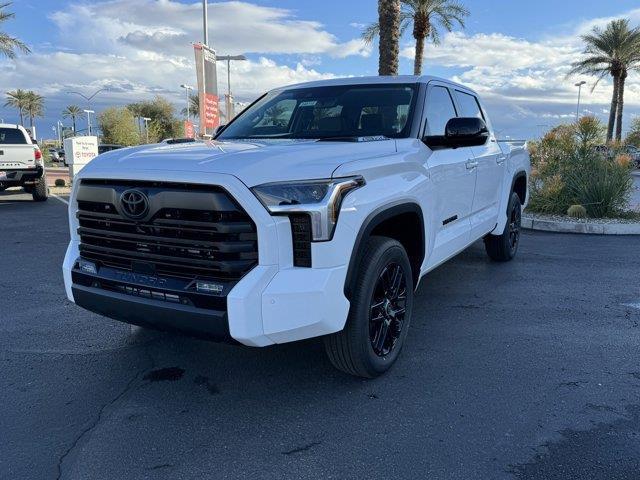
(515, 53)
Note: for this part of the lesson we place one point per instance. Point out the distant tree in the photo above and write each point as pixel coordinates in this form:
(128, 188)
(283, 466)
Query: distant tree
(164, 123)
(17, 99)
(611, 52)
(118, 126)
(633, 138)
(34, 107)
(72, 112)
(9, 44)
(426, 16)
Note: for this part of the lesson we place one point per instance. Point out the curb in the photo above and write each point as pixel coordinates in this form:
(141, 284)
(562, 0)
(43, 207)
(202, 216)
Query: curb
(591, 228)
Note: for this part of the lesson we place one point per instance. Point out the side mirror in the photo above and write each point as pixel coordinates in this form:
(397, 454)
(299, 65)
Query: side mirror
(461, 132)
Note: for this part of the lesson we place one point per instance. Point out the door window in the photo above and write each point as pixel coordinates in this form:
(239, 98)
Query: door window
(440, 110)
(469, 106)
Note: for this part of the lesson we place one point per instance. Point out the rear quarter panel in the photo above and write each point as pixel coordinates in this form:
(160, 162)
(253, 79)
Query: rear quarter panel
(518, 163)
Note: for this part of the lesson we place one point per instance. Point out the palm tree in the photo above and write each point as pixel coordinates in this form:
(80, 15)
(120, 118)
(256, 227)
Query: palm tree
(611, 52)
(9, 44)
(17, 99)
(426, 16)
(389, 31)
(631, 62)
(194, 105)
(73, 112)
(34, 106)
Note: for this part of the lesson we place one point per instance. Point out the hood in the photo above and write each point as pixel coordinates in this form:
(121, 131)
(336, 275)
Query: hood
(252, 162)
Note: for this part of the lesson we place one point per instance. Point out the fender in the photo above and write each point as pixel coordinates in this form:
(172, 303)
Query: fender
(504, 202)
(375, 218)
(516, 176)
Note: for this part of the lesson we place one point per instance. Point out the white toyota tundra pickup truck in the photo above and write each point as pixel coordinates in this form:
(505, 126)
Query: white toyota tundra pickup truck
(314, 213)
(21, 163)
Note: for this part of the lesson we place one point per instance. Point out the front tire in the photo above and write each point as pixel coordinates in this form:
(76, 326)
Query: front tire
(380, 313)
(502, 248)
(40, 190)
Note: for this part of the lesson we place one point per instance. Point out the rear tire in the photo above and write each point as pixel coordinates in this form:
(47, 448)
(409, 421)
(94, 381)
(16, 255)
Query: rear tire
(40, 190)
(380, 312)
(502, 248)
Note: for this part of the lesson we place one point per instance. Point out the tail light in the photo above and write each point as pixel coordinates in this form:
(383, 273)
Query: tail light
(38, 156)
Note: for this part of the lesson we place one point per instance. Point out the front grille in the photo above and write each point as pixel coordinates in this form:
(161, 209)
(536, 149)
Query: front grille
(190, 231)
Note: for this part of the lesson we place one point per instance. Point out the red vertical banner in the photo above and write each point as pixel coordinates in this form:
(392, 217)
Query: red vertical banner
(207, 89)
(189, 131)
(211, 113)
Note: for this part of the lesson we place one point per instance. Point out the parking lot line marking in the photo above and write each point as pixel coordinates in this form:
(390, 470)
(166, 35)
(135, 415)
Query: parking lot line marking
(60, 198)
(632, 305)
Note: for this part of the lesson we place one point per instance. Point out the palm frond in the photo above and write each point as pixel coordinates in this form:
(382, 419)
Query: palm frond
(370, 33)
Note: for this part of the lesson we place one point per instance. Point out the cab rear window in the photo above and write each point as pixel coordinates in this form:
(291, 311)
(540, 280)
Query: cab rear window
(12, 136)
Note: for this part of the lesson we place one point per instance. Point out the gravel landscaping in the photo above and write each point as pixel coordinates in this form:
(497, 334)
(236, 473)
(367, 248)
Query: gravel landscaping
(566, 224)
(566, 218)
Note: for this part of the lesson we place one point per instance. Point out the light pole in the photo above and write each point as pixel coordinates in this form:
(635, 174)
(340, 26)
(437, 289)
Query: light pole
(205, 22)
(229, 102)
(146, 126)
(90, 97)
(187, 88)
(89, 112)
(579, 85)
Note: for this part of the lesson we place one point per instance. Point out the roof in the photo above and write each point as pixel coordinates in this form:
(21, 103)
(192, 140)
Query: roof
(373, 81)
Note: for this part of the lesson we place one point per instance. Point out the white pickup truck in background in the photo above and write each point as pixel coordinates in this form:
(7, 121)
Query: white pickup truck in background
(21, 162)
(315, 212)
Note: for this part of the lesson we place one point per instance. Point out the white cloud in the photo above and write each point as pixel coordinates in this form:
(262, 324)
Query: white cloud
(139, 48)
(526, 79)
(234, 26)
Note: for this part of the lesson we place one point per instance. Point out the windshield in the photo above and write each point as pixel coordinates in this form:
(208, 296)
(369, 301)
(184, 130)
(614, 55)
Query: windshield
(328, 112)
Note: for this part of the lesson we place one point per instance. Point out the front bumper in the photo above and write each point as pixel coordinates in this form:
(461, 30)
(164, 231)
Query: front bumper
(208, 324)
(274, 302)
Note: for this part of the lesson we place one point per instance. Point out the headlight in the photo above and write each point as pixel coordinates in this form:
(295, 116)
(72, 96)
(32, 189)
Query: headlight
(321, 199)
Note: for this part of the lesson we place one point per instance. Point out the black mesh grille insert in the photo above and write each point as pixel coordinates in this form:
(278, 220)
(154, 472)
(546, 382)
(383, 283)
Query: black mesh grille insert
(301, 231)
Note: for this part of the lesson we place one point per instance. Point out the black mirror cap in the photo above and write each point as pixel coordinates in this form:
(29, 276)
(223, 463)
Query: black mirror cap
(460, 132)
(467, 132)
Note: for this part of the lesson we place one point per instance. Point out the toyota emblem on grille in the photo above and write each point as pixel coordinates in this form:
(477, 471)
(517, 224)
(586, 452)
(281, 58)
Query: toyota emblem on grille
(134, 203)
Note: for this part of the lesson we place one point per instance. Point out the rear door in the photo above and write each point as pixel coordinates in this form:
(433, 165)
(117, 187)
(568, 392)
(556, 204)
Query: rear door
(490, 170)
(452, 176)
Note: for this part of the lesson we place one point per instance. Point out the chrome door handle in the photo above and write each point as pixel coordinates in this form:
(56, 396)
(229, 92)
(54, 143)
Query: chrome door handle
(500, 159)
(471, 164)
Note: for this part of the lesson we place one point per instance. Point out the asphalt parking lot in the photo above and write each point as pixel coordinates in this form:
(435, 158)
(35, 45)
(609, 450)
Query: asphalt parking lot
(526, 370)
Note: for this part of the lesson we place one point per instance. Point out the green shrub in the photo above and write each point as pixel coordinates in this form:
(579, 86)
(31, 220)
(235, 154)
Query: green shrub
(60, 182)
(567, 170)
(577, 211)
(602, 186)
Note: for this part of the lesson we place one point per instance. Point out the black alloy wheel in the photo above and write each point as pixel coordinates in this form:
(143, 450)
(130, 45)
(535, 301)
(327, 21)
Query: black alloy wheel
(387, 310)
